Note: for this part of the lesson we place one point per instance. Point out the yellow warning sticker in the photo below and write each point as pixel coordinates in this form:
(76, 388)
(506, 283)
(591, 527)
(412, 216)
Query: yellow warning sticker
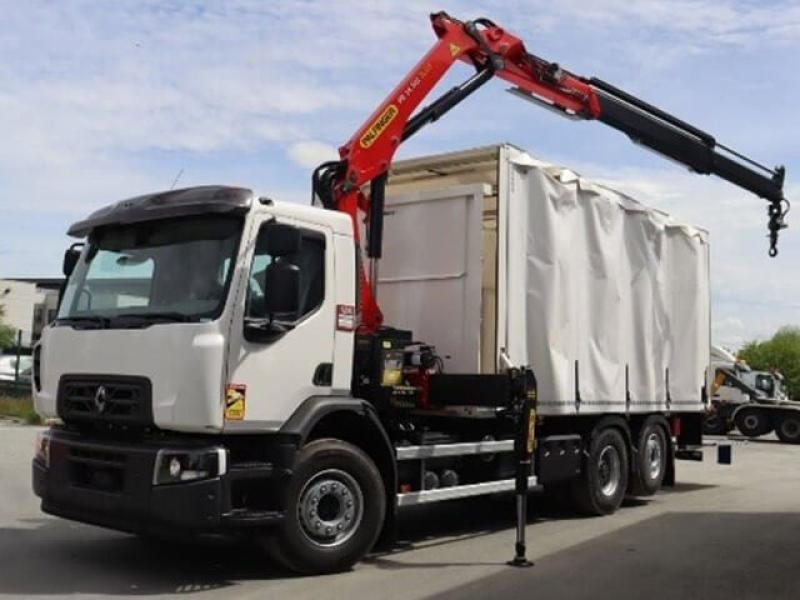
(235, 394)
(454, 49)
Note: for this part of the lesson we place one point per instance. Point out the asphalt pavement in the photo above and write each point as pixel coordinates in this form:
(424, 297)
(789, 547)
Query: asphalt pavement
(721, 532)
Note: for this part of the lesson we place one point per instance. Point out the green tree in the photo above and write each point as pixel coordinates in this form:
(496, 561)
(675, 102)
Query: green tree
(782, 352)
(6, 332)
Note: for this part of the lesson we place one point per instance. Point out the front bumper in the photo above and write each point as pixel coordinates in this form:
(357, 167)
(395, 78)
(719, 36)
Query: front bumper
(110, 484)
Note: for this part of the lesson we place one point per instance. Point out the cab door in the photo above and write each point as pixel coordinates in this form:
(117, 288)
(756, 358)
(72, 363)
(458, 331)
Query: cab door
(270, 375)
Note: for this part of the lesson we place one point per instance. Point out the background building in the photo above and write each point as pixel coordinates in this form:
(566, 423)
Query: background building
(29, 304)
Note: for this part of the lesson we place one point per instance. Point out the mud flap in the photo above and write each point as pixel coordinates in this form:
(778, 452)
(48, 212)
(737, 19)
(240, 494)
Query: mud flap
(669, 474)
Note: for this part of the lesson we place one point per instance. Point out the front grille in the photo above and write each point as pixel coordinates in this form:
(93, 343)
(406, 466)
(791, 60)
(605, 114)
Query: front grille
(119, 400)
(97, 470)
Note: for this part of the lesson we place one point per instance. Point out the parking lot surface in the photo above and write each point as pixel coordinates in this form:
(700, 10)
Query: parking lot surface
(721, 532)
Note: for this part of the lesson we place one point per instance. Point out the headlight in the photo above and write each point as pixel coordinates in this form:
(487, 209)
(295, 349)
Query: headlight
(42, 449)
(175, 466)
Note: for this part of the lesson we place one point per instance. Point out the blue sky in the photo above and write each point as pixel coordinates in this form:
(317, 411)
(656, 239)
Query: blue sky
(105, 100)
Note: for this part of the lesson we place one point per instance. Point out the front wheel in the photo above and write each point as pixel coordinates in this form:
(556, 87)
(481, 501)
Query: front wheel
(601, 487)
(788, 429)
(335, 505)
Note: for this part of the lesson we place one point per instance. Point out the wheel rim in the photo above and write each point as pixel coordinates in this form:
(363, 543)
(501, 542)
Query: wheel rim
(331, 507)
(654, 454)
(609, 470)
(751, 422)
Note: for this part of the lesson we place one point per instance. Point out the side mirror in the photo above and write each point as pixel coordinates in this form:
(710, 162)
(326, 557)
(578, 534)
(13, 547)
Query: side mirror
(282, 239)
(282, 284)
(71, 256)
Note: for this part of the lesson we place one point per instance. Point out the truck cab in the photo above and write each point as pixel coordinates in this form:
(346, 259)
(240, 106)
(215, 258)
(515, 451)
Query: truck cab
(190, 270)
(194, 325)
(770, 383)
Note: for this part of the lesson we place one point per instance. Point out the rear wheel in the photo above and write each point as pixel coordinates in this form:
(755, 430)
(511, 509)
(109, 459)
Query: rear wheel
(335, 504)
(788, 429)
(715, 424)
(752, 422)
(601, 487)
(651, 455)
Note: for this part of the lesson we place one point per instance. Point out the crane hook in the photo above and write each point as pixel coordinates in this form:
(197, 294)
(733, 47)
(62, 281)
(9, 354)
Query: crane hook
(777, 211)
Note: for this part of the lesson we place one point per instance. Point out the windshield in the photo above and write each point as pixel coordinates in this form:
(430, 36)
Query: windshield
(765, 384)
(170, 270)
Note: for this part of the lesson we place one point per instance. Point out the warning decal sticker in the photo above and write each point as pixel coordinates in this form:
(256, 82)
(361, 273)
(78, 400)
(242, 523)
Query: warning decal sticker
(235, 401)
(378, 126)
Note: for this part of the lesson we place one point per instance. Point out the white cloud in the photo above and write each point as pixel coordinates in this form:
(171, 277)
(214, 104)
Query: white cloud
(81, 81)
(311, 153)
(642, 38)
(99, 102)
(705, 21)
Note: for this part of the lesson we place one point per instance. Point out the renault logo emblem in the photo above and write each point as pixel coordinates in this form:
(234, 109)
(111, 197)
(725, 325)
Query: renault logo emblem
(100, 397)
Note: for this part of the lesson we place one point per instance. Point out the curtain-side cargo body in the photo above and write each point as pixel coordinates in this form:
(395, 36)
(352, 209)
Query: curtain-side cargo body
(607, 299)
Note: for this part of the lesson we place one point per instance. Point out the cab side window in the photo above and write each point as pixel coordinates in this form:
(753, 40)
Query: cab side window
(310, 259)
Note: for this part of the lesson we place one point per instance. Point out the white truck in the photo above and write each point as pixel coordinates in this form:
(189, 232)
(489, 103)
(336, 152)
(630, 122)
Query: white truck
(219, 360)
(771, 383)
(181, 409)
(755, 402)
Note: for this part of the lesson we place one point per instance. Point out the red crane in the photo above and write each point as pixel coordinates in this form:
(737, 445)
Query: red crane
(366, 158)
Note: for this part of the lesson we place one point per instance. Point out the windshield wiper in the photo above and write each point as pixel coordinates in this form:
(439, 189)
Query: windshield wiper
(100, 322)
(166, 316)
(126, 320)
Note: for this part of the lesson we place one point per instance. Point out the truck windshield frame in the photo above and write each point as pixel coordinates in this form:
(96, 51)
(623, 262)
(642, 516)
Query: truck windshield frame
(162, 271)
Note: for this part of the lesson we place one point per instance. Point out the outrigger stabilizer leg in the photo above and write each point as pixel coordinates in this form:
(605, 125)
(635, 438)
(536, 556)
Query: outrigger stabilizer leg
(523, 385)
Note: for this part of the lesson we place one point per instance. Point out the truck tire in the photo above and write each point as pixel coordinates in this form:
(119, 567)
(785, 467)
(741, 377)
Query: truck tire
(715, 424)
(335, 505)
(752, 422)
(788, 428)
(601, 486)
(651, 456)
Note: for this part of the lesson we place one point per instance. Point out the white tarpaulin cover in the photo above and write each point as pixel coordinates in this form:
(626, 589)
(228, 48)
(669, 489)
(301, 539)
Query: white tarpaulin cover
(607, 299)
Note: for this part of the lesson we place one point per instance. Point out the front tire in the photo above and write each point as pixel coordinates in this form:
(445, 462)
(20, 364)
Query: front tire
(335, 505)
(788, 429)
(601, 487)
(752, 422)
